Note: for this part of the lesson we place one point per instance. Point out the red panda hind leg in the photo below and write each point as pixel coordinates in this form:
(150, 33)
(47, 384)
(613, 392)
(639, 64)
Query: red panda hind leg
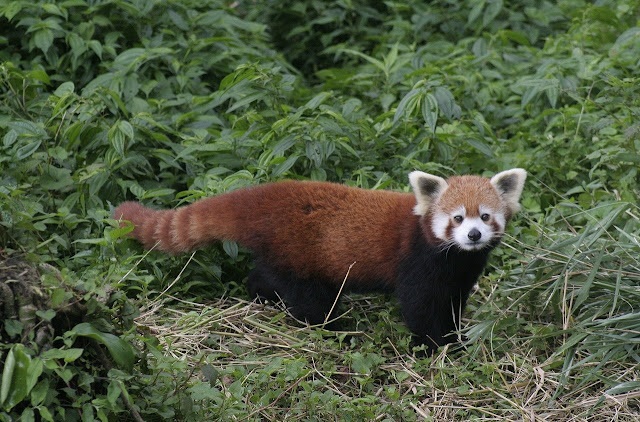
(306, 300)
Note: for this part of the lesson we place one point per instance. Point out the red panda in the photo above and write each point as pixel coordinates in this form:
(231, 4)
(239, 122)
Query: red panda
(429, 247)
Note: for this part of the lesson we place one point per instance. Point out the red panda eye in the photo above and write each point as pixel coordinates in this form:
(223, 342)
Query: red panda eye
(485, 217)
(458, 218)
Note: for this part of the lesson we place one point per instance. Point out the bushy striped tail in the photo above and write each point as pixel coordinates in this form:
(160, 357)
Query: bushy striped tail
(172, 231)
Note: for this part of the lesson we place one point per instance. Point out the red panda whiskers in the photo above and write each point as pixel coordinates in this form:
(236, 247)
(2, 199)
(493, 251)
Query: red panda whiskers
(446, 245)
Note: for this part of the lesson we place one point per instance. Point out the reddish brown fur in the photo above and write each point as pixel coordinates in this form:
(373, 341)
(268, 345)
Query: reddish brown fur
(470, 191)
(313, 228)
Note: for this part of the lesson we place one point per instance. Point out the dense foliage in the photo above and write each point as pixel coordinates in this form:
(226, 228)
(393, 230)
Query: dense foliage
(170, 101)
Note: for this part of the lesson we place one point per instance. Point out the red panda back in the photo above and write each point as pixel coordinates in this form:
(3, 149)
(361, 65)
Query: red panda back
(314, 229)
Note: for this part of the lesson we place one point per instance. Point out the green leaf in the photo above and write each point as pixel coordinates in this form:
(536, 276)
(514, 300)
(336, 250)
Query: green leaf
(13, 327)
(52, 9)
(33, 373)
(210, 374)
(28, 128)
(585, 287)
(408, 104)
(43, 39)
(47, 315)
(481, 146)
(314, 152)
(126, 128)
(119, 134)
(54, 178)
(518, 37)
(96, 47)
(365, 363)
(475, 11)
(493, 9)
(65, 88)
(69, 355)
(536, 86)
(629, 157)
(7, 375)
(246, 100)
(313, 103)
(39, 392)
(58, 296)
(120, 351)
(157, 193)
(137, 190)
(39, 75)
(119, 233)
(178, 21)
(377, 63)
(230, 248)
(430, 111)
(629, 37)
(45, 414)
(284, 166)
(9, 138)
(235, 78)
(18, 377)
(26, 150)
(552, 95)
(604, 14)
(12, 8)
(447, 103)
(113, 392)
(130, 58)
(28, 415)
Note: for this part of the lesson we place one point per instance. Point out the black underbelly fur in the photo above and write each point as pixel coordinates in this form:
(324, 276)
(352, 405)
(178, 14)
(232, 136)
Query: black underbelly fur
(432, 287)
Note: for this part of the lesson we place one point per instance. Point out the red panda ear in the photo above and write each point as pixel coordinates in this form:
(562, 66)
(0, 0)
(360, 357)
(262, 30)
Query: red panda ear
(427, 188)
(509, 185)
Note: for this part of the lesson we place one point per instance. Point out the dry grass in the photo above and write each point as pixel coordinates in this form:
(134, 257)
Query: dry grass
(521, 387)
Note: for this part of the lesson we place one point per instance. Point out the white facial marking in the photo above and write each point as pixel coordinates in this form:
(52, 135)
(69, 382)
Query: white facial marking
(465, 234)
(500, 221)
(461, 234)
(442, 221)
(439, 225)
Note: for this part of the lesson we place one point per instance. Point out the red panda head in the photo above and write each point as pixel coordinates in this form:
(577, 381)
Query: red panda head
(469, 212)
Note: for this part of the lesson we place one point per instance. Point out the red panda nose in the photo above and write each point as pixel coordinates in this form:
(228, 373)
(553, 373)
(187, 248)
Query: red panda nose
(474, 235)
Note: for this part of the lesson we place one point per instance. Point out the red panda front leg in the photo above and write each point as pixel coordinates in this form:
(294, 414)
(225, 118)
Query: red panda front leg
(307, 300)
(433, 286)
(432, 320)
